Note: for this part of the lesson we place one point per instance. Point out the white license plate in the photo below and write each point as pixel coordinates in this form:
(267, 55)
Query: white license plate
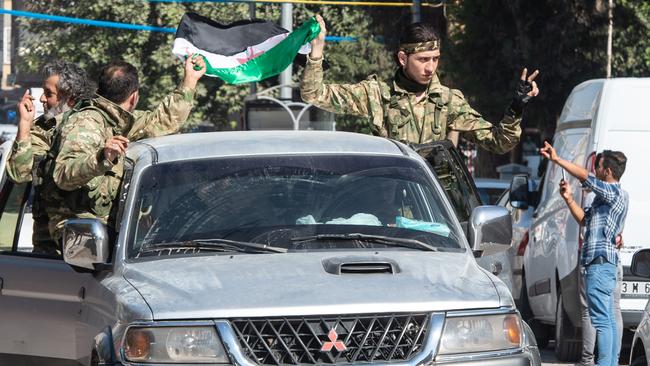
(635, 288)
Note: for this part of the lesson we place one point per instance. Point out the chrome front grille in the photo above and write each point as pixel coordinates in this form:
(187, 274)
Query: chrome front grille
(341, 339)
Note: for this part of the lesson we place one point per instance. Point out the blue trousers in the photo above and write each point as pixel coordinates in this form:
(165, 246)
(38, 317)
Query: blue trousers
(600, 281)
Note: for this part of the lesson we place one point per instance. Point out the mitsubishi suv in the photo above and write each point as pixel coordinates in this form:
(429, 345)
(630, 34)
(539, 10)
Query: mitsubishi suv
(268, 248)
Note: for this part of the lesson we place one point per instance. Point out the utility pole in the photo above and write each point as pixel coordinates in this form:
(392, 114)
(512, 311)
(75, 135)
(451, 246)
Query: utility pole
(415, 11)
(6, 46)
(251, 14)
(610, 34)
(285, 76)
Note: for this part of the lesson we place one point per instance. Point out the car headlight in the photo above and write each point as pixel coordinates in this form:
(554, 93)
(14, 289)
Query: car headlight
(199, 344)
(480, 333)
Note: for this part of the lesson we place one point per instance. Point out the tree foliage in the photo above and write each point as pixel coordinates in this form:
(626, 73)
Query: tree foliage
(491, 41)
(485, 45)
(220, 104)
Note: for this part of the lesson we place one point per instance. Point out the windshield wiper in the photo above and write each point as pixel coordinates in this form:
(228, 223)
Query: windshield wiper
(379, 239)
(217, 245)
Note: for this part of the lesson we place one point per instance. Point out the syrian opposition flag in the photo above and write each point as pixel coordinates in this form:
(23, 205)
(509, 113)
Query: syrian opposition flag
(244, 51)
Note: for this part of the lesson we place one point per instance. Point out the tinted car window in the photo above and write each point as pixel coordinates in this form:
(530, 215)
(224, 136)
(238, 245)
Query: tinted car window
(490, 195)
(272, 200)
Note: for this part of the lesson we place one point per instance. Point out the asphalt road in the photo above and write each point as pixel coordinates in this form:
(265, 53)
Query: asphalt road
(548, 357)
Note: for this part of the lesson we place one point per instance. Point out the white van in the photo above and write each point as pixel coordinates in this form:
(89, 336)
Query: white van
(599, 114)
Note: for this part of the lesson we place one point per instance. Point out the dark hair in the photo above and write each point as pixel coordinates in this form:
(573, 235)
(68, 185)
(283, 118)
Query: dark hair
(73, 81)
(117, 81)
(416, 33)
(614, 160)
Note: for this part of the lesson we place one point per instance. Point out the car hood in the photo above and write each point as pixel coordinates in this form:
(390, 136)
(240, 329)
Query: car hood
(226, 286)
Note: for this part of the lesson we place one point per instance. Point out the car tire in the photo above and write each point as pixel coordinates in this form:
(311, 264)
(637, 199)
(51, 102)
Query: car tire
(639, 361)
(524, 304)
(568, 347)
(540, 330)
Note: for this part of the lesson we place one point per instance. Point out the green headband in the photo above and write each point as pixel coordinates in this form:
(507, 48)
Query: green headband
(419, 47)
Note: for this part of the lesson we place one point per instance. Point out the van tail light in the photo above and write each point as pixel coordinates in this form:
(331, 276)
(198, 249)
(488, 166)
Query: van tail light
(579, 243)
(590, 164)
(522, 245)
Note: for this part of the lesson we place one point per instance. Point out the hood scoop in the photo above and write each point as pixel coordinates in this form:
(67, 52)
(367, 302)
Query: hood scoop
(355, 265)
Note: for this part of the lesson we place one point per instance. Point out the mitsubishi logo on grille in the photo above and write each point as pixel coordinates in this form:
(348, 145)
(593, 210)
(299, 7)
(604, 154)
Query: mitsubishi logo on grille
(333, 343)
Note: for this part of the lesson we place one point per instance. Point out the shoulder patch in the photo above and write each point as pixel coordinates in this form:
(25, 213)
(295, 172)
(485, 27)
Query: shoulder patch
(458, 93)
(373, 77)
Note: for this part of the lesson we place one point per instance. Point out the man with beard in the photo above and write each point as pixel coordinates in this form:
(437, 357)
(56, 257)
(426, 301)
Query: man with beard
(65, 84)
(88, 155)
(414, 106)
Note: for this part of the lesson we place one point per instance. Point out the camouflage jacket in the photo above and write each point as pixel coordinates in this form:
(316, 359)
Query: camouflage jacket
(25, 164)
(85, 183)
(395, 113)
(26, 154)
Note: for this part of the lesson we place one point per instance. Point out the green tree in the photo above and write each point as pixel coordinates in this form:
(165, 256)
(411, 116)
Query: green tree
(490, 41)
(218, 103)
(631, 48)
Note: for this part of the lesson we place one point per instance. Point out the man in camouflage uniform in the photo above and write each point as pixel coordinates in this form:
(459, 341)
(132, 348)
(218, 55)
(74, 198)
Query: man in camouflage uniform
(64, 84)
(89, 150)
(414, 107)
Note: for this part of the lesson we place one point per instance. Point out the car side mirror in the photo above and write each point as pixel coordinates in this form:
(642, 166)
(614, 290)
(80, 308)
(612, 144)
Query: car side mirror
(85, 243)
(641, 263)
(490, 230)
(519, 194)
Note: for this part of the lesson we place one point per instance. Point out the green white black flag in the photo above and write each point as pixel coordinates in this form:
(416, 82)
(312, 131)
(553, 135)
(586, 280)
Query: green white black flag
(244, 51)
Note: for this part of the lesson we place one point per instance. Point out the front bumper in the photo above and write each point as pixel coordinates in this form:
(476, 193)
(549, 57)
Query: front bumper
(523, 357)
(527, 354)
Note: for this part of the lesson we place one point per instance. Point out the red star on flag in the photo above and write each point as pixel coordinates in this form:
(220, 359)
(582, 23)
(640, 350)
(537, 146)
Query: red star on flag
(250, 54)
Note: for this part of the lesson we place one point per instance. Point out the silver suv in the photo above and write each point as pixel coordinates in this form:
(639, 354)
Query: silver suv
(267, 248)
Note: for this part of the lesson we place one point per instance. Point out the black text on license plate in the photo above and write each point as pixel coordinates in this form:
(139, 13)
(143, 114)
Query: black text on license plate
(635, 288)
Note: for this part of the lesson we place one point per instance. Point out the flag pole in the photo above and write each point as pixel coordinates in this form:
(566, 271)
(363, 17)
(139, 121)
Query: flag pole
(285, 76)
(252, 15)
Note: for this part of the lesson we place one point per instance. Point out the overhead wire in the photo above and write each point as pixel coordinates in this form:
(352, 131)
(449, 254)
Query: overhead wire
(109, 24)
(310, 2)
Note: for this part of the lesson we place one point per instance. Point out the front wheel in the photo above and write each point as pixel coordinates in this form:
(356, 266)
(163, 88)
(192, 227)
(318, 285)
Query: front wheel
(639, 361)
(541, 331)
(568, 346)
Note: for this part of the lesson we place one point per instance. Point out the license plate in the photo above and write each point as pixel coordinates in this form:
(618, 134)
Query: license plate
(635, 288)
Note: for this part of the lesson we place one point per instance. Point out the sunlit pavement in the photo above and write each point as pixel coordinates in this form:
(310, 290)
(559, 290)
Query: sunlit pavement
(548, 357)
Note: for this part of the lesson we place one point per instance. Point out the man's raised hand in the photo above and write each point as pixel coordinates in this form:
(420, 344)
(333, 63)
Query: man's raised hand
(26, 114)
(195, 68)
(548, 152)
(318, 43)
(526, 88)
(114, 147)
(530, 79)
(565, 191)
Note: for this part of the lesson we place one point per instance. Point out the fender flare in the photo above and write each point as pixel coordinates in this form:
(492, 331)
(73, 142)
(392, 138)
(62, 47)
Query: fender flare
(105, 347)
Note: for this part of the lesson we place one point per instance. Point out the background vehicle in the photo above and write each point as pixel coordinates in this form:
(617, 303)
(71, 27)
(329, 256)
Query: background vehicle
(269, 248)
(598, 115)
(8, 121)
(639, 355)
(9, 115)
(14, 211)
(508, 265)
(491, 189)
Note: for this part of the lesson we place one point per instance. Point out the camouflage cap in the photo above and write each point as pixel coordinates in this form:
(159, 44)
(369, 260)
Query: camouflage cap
(420, 46)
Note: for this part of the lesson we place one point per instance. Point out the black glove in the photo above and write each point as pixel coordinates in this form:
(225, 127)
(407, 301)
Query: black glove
(521, 97)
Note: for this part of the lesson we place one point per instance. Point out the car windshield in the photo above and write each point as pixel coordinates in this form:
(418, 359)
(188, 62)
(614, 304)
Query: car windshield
(289, 203)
